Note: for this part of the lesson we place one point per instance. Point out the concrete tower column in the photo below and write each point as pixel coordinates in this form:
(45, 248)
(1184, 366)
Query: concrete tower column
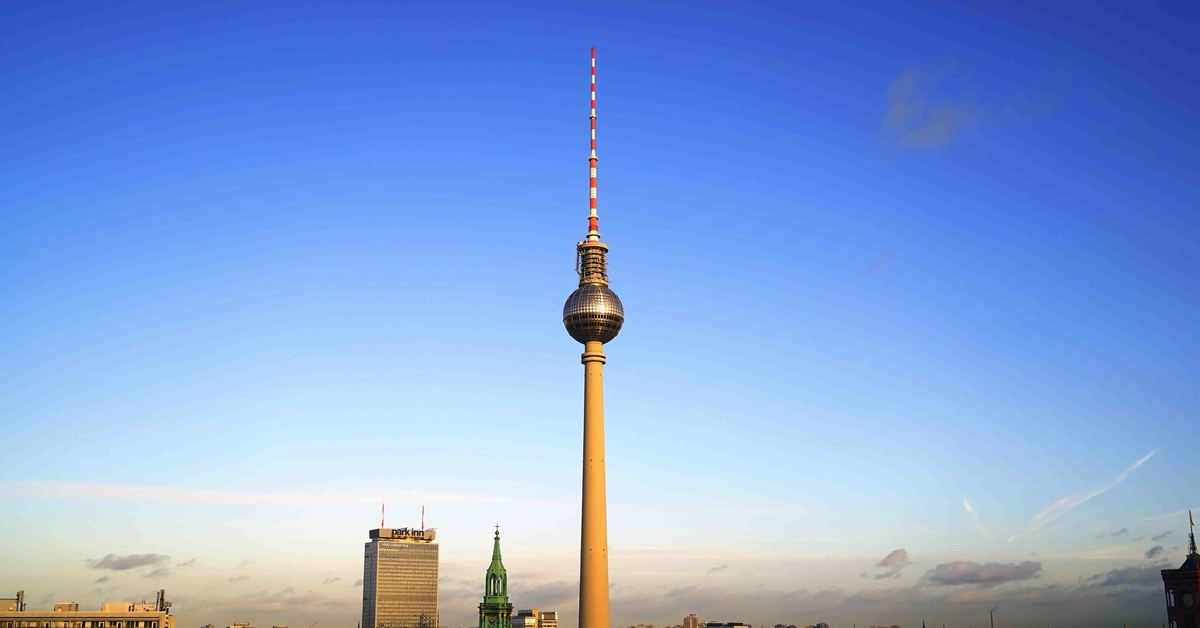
(593, 547)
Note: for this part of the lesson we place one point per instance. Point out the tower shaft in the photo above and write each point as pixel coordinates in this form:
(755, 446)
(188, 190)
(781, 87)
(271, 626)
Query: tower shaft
(593, 549)
(593, 315)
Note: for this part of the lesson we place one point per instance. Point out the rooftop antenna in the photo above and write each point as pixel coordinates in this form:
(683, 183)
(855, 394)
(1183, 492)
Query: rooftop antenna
(382, 509)
(422, 517)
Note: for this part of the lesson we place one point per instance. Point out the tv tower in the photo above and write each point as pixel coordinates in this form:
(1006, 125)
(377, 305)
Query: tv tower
(593, 316)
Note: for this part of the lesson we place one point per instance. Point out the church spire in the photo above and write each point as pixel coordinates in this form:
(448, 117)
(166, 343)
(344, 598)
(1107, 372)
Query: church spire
(497, 566)
(1191, 533)
(496, 610)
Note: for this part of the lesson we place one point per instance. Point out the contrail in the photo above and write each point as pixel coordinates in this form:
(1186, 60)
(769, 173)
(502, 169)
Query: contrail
(1068, 503)
(970, 508)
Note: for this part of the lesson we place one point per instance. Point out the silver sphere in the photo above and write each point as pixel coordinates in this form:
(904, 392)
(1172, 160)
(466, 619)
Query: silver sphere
(593, 312)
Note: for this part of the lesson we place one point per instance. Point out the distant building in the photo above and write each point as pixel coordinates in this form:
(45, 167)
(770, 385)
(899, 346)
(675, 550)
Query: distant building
(525, 619)
(692, 621)
(400, 576)
(13, 614)
(534, 618)
(731, 624)
(13, 604)
(239, 625)
(1183, 586)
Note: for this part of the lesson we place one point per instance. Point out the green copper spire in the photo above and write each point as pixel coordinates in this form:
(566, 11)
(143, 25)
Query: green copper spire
(496, 610)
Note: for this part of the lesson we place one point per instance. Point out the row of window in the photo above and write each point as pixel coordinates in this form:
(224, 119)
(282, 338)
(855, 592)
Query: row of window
(78, 623)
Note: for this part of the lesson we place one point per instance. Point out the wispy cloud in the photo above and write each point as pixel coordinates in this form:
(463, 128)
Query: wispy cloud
(1116, 533)
(1178, 514)
(984, 574)
(1127, 575)
(330, 580)
(970, 508)
(1159, 537)
(84, 491)
(1154, 552)
(131, 561)
(893, 564)
(1070, 502)
(926, 108)
(717, 568)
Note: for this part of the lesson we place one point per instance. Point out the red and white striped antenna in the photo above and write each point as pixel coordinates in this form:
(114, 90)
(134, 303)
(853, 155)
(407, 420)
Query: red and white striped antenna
(593, 220)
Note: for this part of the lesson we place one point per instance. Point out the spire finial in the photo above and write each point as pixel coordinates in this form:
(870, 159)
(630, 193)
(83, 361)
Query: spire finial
(382, 510)
(593, 220)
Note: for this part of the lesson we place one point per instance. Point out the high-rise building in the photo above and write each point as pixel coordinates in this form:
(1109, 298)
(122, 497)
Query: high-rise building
(13, 614)
(1183, 586)
(547, 619)
(593, 315)
(495, 611)
(400, 578)
(693, 621)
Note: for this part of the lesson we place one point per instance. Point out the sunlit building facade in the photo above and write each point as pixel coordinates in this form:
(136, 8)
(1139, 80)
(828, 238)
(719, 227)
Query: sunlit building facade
(400, 576)
(13, 614)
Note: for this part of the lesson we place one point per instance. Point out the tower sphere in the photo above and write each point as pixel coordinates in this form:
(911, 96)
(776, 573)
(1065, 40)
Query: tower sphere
(593, 313)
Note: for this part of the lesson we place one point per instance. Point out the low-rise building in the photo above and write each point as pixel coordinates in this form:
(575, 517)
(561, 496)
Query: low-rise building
(13, 614)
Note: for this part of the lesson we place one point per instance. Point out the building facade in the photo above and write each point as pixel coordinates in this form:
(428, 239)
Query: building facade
(525, 619)
(400, 578)
(692, 621)
(67, 615)
(535, 618)
(1183, 587)
(495, 611)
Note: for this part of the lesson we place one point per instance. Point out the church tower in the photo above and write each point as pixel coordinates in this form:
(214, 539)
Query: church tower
(496, 610)
(1183, 586)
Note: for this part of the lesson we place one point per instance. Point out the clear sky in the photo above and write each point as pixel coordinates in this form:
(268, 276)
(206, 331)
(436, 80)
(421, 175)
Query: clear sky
(897, 277)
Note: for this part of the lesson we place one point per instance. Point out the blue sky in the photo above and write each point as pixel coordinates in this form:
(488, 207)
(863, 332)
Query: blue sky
(266, 266)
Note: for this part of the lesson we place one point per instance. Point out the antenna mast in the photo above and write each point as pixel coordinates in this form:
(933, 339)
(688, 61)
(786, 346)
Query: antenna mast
(593, 221)
(382, 509)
